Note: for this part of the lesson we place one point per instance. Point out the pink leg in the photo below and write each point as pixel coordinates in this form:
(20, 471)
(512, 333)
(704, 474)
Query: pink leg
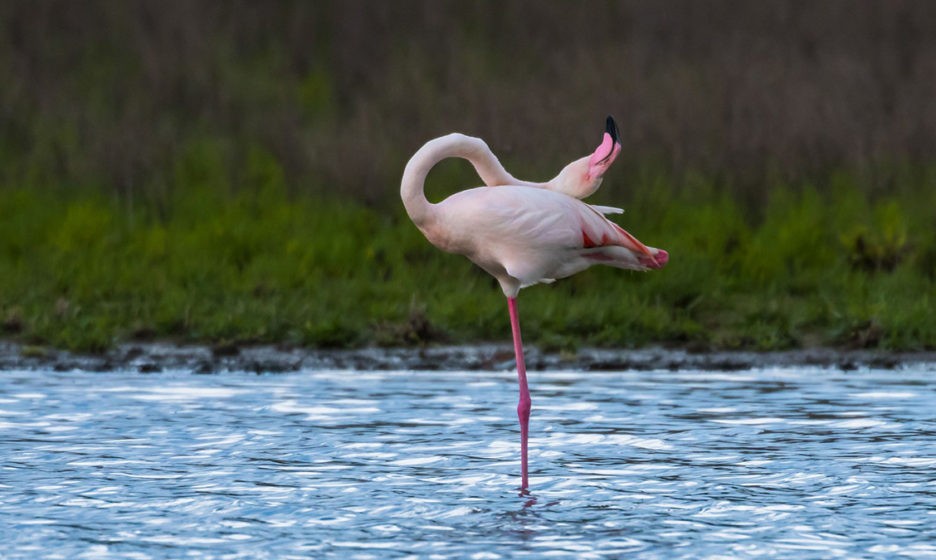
(523, 407)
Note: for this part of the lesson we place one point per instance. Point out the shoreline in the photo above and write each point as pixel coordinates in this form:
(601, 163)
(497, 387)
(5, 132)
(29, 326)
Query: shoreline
(158, 357)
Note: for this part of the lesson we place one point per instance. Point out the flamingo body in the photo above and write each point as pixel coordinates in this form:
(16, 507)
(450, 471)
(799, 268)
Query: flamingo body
(526, 235)
(522, 232)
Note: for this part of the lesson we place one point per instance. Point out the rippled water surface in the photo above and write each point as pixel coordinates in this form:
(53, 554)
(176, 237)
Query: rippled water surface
(792, 462)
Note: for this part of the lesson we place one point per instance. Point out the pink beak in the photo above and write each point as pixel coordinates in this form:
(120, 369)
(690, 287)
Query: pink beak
(605, 154)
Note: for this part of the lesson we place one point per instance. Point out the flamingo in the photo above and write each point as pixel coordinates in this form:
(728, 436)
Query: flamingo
(524, 233)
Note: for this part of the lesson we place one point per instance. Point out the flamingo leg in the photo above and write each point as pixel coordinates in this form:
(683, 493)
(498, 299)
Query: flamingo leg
(524, 405)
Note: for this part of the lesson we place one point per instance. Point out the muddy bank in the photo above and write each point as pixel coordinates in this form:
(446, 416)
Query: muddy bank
(151, 358)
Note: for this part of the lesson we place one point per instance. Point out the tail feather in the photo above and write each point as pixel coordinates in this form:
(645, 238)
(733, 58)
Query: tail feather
(599, 231)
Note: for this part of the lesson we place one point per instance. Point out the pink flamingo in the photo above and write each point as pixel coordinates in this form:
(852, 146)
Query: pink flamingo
(524, 233)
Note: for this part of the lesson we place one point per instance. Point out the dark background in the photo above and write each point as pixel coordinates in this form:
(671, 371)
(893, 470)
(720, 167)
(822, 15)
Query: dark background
(114, 94)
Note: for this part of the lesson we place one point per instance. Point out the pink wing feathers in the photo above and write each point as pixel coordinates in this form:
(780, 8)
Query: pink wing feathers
(599, 231)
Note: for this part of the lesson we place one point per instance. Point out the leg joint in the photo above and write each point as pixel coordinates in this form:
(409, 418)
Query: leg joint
(524, 407)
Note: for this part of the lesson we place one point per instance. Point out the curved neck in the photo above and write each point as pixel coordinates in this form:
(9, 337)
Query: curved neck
(475, 150)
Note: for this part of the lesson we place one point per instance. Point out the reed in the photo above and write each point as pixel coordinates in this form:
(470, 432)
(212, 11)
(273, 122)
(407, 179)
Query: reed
(115, 94)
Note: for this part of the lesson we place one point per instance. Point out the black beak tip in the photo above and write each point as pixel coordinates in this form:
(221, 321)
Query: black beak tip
(612, 129)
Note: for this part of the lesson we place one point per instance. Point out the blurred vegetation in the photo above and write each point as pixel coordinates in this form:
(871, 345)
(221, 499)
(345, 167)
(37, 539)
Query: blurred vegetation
(228, 170)
(115, 93)
(80, 272)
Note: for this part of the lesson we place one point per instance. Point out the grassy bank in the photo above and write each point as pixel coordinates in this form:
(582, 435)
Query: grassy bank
(223, 172)
(83, 271)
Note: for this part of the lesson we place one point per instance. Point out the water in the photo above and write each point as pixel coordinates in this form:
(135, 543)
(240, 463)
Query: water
(787, 462)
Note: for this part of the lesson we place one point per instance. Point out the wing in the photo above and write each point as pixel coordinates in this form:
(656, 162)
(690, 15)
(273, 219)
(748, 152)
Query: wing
(607, 209)
(534, 234)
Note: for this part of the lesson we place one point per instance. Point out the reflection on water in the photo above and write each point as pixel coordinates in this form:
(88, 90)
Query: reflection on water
(795, 463)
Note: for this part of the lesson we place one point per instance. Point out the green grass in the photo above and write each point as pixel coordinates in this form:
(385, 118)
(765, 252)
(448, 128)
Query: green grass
(82, 271)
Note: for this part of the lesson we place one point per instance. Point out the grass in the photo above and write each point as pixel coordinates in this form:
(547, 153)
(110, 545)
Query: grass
(83, 271)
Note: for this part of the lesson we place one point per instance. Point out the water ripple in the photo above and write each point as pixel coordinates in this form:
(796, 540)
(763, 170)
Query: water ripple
(782, 462)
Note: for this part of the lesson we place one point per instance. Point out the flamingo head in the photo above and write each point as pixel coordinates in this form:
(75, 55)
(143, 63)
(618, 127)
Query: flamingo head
(605, 154)
(583, 176)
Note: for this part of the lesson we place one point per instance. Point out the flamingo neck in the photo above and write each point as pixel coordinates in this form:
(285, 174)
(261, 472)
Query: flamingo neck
(454, 145)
